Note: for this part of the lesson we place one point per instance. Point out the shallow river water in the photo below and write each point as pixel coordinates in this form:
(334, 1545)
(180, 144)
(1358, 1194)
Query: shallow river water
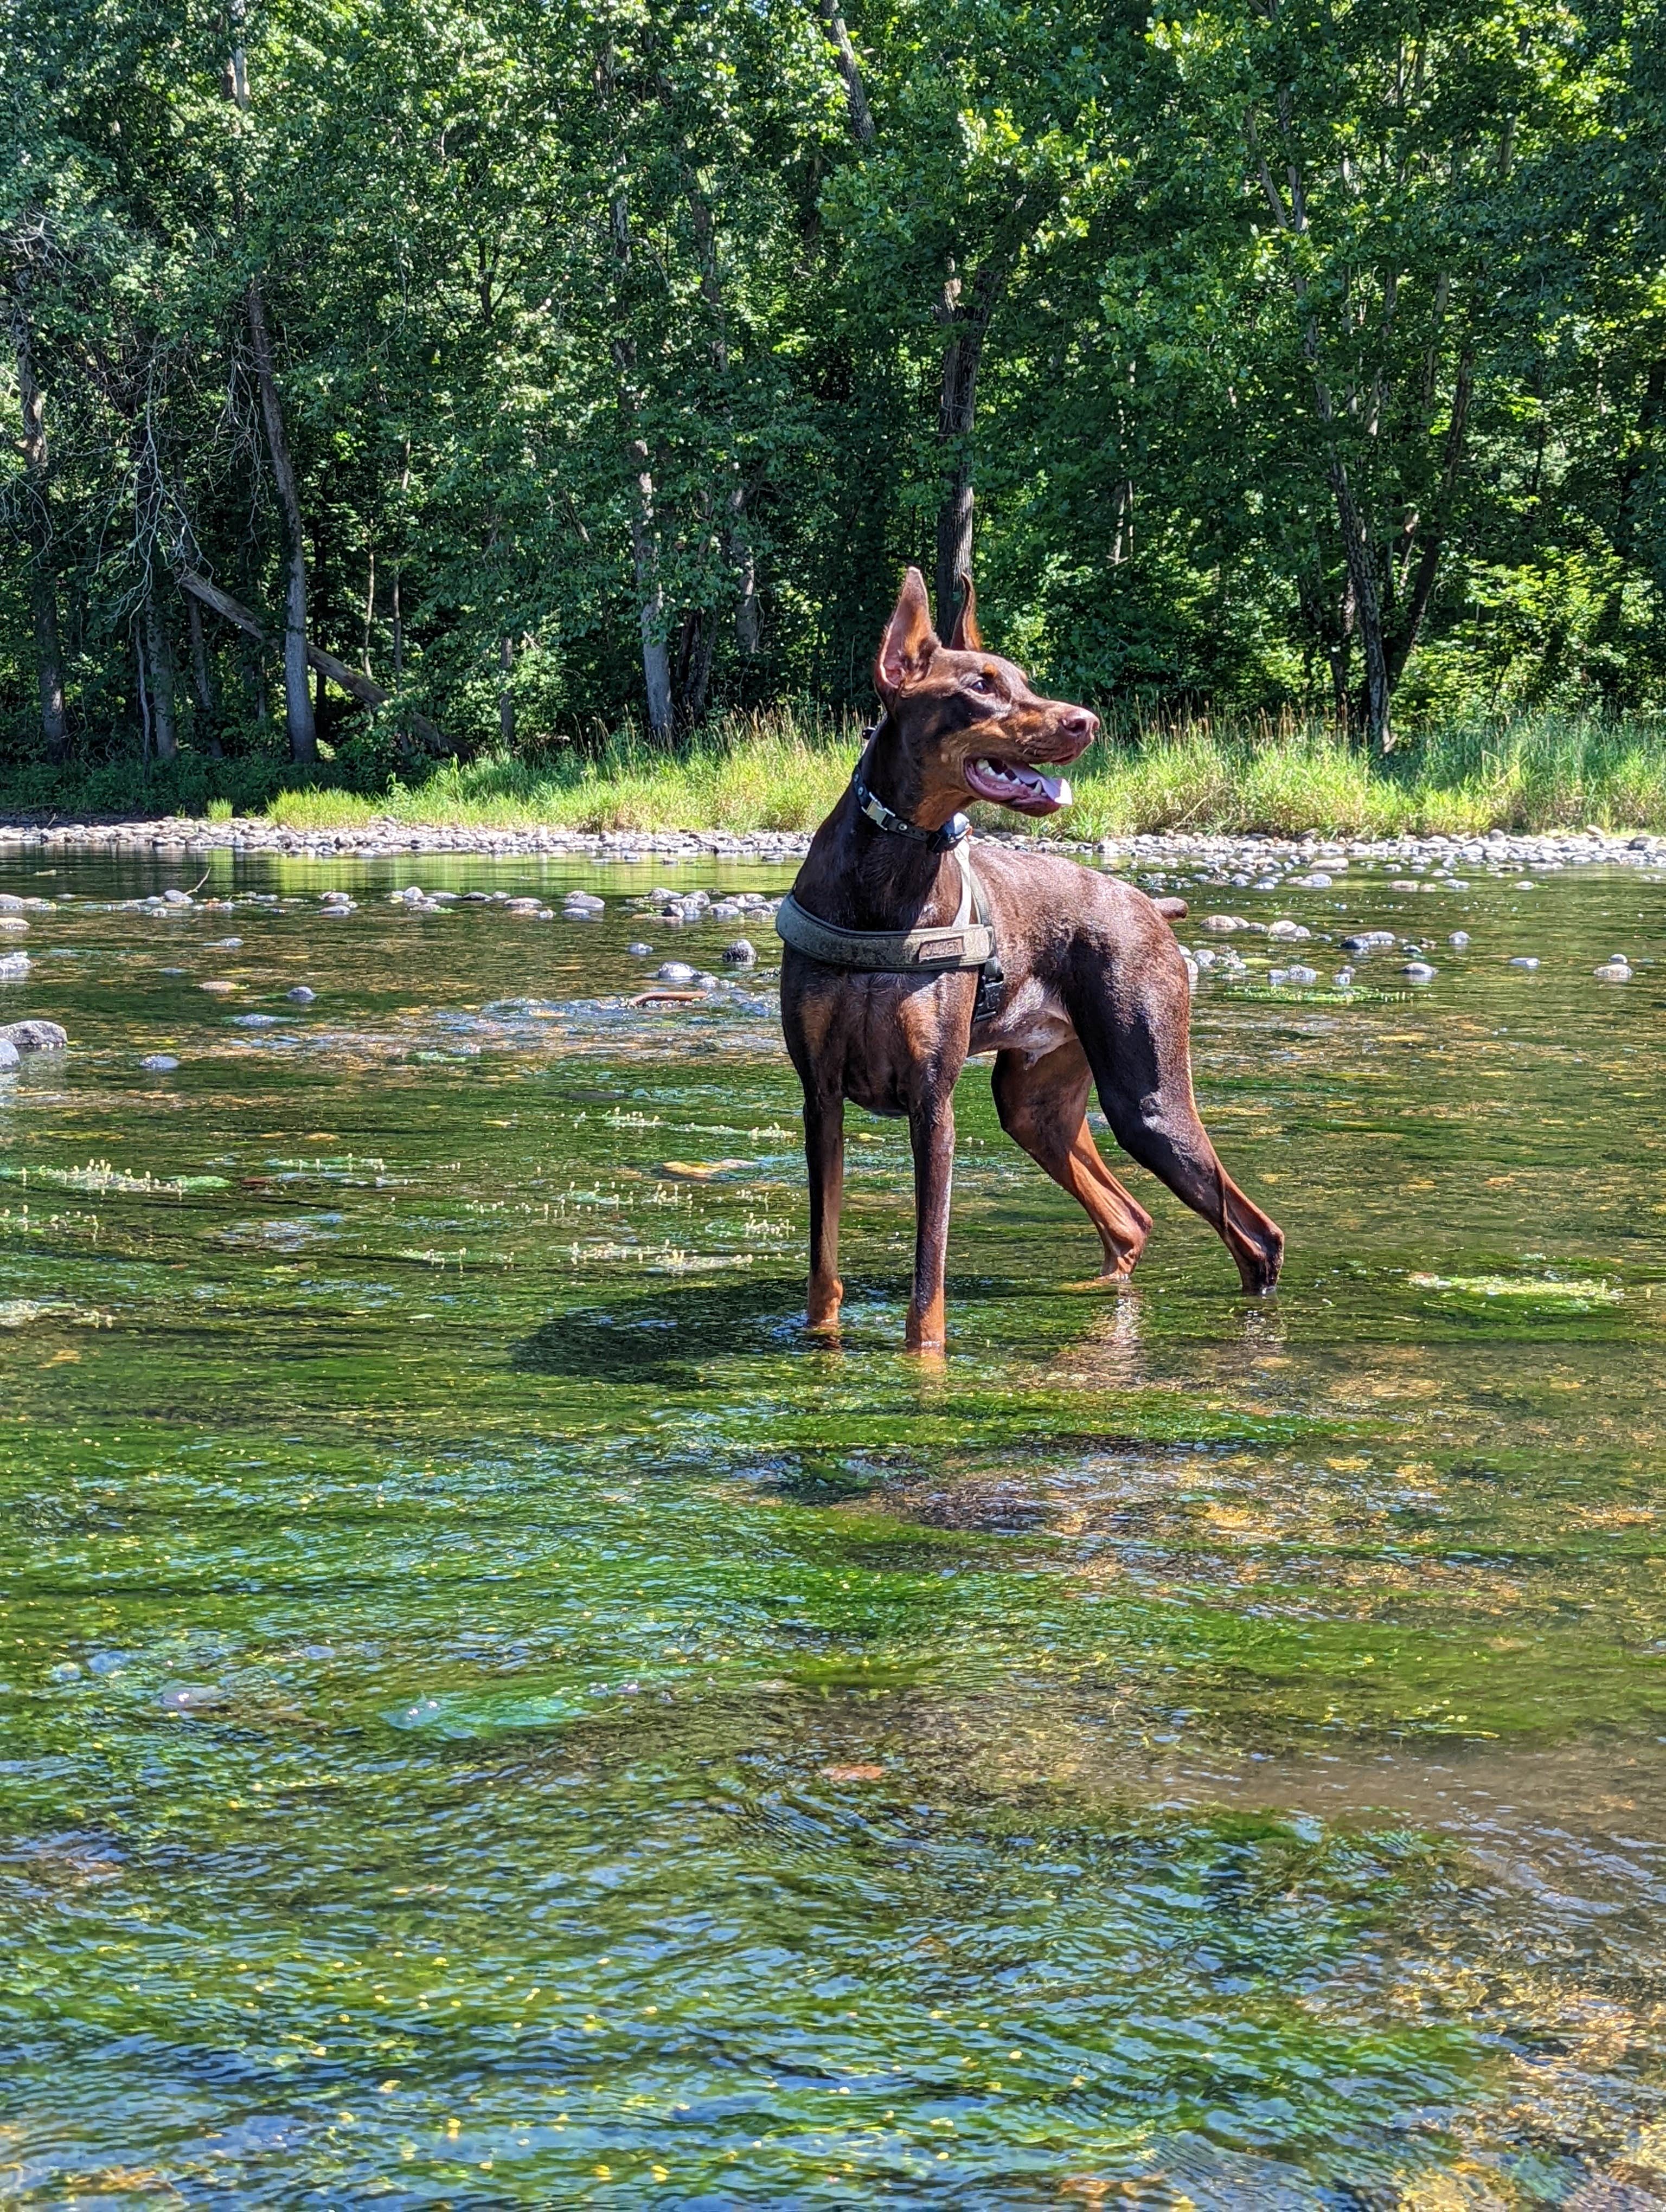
(494, 1716)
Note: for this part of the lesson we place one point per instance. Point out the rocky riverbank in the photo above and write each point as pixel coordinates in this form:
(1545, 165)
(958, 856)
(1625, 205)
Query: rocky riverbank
(178, 836)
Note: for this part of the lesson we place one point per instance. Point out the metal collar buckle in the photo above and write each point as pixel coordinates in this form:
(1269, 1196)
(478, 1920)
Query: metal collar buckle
(885, 817)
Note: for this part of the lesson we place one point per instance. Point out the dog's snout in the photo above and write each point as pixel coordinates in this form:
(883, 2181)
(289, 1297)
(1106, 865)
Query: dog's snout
(1080, 724)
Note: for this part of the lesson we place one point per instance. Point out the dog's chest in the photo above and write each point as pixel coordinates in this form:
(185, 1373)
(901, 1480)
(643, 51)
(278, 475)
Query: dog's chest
(1033, 1021)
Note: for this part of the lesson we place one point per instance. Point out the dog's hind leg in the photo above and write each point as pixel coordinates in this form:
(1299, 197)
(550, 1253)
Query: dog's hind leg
(1137, 1048)
(1040, 1103)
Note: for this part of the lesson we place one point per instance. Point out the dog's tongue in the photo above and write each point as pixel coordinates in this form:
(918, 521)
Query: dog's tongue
(1026, 790)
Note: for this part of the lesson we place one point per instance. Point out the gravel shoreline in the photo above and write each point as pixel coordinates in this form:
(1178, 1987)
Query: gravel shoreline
(178, 836)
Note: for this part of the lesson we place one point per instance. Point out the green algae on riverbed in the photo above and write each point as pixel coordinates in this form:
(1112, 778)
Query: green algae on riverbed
(494, 1716)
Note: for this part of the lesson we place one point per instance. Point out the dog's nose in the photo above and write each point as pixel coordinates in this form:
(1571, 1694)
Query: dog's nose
(1080, 724)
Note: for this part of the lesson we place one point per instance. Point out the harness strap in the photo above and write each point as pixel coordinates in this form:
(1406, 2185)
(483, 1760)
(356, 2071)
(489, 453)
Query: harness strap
(963, 943)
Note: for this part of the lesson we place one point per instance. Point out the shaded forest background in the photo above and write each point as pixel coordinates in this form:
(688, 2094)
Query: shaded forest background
(388, 381)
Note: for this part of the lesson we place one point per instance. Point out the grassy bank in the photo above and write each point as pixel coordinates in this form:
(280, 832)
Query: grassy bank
(783, 771)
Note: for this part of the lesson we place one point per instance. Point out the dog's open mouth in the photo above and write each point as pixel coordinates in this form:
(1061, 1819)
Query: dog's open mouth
(1010, 783)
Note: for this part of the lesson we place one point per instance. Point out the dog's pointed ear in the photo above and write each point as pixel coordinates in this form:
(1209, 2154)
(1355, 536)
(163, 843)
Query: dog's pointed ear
(966, 638)
(906, 648)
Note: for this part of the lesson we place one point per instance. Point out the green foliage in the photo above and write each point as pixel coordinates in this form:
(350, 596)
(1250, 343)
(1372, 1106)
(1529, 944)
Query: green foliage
(584, 318)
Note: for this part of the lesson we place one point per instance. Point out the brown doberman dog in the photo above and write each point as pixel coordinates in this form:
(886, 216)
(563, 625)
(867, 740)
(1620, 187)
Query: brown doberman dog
(1087, 988)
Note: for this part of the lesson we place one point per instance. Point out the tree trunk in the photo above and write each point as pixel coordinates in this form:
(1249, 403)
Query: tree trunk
(739, 548)
(298, 705)
(159, 669)
(855, 93)
(506, 698)
(43, 592)
(202, 679)
(1428, 565)
(346, 679)
(957, 416)
(644, 536)
(1374, 695)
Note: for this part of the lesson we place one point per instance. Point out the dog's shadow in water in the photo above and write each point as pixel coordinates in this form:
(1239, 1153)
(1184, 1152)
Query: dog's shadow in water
(666, 1335)
(663, 1336)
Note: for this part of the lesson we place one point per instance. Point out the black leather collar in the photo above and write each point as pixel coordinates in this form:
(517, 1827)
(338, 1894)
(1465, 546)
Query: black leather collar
(885, 817)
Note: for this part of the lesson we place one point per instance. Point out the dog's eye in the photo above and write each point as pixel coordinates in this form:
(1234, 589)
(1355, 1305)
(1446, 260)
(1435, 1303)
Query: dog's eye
(979, 684)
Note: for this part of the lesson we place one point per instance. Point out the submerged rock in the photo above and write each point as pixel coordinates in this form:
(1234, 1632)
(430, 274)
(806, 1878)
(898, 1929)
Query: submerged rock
(1417, 971)
(1459, 937)
(160, 1063)
(301, 994)
(1297, 974)
(584, 902)
(1523, 960)
(1614, 971)
(14, 967)
(9, 1056)
(674, 971)
(743, 953)
(639, 951)
(192, 1698)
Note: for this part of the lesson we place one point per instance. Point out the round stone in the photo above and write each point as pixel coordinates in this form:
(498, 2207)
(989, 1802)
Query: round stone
(1459, 937)
(741, 954)
(160, 1063)
(1417, 971)
(301, 995)
(1523, 960)
(674, 971)
(639, 951)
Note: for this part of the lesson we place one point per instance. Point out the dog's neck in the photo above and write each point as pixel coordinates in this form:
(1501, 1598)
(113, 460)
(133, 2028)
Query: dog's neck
(858, 876)
(893, 775)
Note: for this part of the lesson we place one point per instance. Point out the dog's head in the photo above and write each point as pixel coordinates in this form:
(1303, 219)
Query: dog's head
(967, 719)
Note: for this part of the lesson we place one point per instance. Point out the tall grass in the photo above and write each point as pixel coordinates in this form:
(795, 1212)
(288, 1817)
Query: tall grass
(783, 770)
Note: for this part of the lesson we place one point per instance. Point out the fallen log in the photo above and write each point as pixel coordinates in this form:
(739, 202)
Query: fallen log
(351, 680)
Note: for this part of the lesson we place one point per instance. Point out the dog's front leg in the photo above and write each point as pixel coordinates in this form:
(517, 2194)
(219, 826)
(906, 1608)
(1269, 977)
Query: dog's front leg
(930, 1125)
(823, 1150)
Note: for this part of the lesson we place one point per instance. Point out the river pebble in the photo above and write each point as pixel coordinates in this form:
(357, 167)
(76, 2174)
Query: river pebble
(14, 967)
(302, 995)
(1417, 971)
(34, 1035)
(160, 1063)
(674, 971)
(1298, 974)
(1614, 971)
(1460, 938)
(9, 1056)
(743, 953)
(1523, 960)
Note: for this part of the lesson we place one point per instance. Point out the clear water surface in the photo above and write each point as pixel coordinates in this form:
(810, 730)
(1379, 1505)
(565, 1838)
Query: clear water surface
(492, 1716)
